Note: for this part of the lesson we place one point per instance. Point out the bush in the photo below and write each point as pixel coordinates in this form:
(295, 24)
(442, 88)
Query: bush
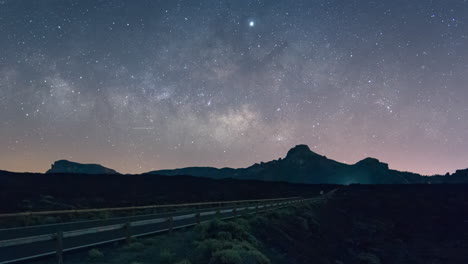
(238, 256)
(368, 258)
(95, 254)
(135, 246)
(166, 256)
(227, 243)
(224, 235)
(226, 256)
(238, 230)
(184, 261)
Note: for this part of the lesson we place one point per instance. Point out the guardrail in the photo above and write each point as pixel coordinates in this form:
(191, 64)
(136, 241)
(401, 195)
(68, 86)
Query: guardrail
(25, 243)
(134, 208)
(10, 220)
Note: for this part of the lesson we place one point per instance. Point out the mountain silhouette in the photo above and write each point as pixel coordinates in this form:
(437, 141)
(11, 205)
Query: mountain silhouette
(301, 165)
(65, 166)
(460, 176)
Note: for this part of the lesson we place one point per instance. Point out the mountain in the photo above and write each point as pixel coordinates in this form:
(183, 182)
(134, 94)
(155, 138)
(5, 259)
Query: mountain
(460, 176)
(65, 166)
(301, 165)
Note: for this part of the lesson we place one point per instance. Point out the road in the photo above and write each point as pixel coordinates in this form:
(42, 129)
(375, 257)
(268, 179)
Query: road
(26, 243)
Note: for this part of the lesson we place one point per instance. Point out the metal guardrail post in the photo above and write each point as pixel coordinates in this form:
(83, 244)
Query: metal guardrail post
(197, 216)
(107, 214)
(234, 211)
(74, 215)
(128, 233)
(170, 221)
(28, 219)
(59, 250)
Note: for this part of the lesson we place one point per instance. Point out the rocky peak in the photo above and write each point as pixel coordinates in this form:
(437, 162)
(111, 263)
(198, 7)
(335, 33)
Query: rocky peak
(300, 152)
(65, 166)
(372, 163)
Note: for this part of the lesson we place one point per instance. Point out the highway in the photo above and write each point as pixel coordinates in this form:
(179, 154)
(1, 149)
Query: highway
(26, 243)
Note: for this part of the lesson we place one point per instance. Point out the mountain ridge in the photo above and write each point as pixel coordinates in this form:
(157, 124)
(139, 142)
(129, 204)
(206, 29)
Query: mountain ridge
(300, 165)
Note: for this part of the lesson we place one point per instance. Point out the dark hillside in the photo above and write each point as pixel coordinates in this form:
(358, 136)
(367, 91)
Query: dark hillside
(376, 224)
(24, 191)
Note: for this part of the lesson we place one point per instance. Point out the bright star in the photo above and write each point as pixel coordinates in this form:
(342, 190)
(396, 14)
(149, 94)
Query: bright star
(251, 23)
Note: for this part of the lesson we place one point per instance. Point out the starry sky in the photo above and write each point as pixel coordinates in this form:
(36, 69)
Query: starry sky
(144, 85)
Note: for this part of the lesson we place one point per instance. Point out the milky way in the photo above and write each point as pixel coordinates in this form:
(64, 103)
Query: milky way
(143, 85)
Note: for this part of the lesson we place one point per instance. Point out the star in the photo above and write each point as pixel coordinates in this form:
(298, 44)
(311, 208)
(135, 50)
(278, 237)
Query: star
(251, 23)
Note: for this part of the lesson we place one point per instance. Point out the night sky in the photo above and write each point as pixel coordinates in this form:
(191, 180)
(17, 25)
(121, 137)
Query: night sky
(144, 85)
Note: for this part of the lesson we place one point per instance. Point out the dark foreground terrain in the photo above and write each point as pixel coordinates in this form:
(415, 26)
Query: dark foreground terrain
(355, 224)
(38, 192)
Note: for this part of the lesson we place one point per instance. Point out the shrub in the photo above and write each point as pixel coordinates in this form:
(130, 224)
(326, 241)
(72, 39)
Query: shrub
(205, 248)
(95, 254)
(239, 230)
(184, 261)
(238, 255)
(227, 243)
(223, 235)
(226, 256)
(166, 256)
(135, 246)
(368, 258)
